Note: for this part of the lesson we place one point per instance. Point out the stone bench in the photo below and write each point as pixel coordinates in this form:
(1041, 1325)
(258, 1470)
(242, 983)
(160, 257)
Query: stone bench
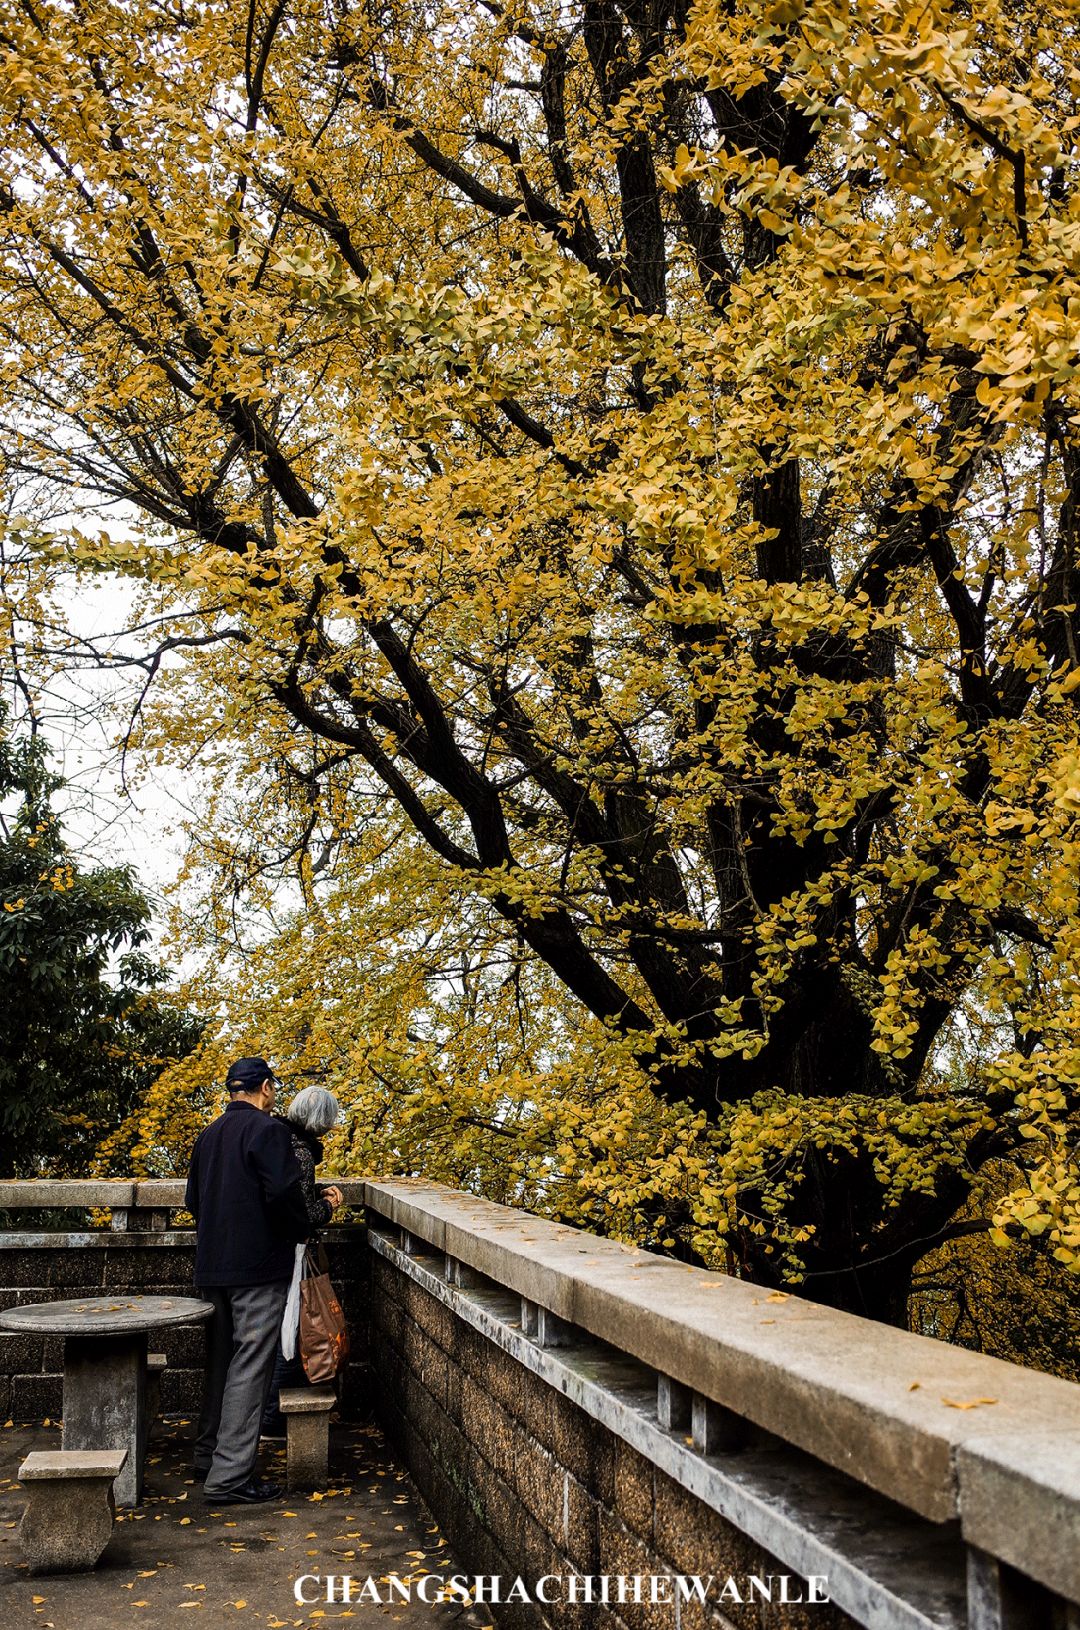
(307, 1417)
(70, 1508)
(156, 1365)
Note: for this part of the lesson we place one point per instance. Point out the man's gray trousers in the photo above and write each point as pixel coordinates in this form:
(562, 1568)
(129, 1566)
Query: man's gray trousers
(241, 1344)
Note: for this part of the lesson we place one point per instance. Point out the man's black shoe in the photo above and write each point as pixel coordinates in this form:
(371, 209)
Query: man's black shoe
(250, 1493)
(199, 1473)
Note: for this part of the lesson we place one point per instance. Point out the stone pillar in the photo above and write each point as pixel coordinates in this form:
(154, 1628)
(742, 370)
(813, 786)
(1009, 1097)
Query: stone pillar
(460, 1274)
(105, 1402)
(672, 1404)
(715, 1429)
(552, 1331)
(999, 1598)
(156, 1365)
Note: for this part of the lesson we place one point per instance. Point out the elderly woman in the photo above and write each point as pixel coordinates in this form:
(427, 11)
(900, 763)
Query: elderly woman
(309, 1117)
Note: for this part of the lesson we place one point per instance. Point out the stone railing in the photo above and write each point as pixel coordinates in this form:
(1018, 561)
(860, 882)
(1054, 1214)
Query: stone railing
(563, 1396)
(571, 1406)
(135, 1204)
(135, 1249)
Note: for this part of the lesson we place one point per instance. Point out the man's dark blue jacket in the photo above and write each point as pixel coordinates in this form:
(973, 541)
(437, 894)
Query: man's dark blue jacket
(244, 1191)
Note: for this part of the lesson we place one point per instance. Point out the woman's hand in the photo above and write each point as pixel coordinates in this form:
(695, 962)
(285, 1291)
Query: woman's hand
(333, 1196)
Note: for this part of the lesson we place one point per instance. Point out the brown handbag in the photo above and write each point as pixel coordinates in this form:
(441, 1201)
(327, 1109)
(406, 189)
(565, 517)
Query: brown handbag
(323, 1338)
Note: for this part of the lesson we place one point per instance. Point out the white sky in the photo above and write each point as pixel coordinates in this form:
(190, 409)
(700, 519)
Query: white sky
(105, 821)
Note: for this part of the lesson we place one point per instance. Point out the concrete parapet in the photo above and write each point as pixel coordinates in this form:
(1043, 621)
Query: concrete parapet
(876, 1403)
(570, 1403)
(132, 1200)
(832, 1442)
(47, 1192)
(50, 1267)
(1020, 1502)
(154, 1192)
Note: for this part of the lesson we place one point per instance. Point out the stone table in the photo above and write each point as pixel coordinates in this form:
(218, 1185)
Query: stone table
(105, 1346)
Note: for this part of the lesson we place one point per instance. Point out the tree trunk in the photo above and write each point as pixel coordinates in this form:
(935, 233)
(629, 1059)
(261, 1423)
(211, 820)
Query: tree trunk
(861, 1256)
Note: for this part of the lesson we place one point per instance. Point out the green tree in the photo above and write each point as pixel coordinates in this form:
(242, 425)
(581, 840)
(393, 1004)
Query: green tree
(82, 1029)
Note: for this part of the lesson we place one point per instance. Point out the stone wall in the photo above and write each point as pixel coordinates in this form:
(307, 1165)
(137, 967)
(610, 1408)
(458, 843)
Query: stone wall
(523, 1481)
(56, 1267)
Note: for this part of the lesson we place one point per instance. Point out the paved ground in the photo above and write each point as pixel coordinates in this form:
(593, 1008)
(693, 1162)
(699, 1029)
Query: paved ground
(177, 1563)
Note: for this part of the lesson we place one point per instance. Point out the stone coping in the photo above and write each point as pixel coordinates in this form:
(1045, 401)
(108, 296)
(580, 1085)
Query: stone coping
(151, 1193)
(41, 1192)
(59, 1465)
(942, 1431)
(1020, 1500)
(156, 1239)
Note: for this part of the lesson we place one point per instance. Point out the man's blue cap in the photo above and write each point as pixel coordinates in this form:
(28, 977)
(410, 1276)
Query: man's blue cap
(247, 1074)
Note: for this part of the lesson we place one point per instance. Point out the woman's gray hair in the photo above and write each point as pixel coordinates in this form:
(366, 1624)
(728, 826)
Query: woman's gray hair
(314, 1109)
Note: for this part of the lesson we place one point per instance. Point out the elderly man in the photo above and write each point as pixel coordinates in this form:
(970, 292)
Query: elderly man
(245, 1192)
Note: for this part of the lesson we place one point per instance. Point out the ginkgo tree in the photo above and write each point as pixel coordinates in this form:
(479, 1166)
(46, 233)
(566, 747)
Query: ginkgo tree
(612, 471)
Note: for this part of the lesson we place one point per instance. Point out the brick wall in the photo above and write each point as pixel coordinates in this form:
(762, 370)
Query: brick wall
(523, 1481)
(53, 1268)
